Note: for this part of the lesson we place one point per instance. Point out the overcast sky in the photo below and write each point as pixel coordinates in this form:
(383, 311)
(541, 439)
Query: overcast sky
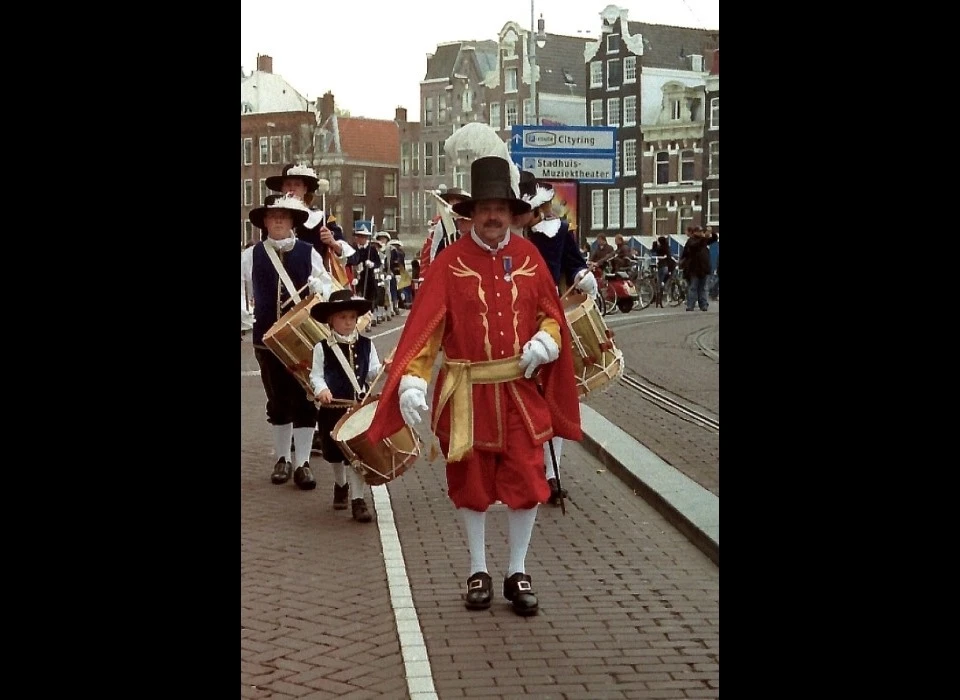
(372, 53)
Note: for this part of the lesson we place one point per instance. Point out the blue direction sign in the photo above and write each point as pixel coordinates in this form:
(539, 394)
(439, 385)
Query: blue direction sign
(582, 153)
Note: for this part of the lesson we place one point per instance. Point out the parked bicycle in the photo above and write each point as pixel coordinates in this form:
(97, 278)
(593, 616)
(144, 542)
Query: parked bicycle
(675, 288)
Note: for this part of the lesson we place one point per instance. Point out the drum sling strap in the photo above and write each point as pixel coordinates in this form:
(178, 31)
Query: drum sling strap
(282, 271)
(351, 374)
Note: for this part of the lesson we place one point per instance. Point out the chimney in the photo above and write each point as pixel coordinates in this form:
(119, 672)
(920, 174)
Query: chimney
(400, 116)
(264, 63)
(326, 106)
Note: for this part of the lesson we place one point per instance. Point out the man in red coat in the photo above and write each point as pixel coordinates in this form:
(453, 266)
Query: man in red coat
(506, 384)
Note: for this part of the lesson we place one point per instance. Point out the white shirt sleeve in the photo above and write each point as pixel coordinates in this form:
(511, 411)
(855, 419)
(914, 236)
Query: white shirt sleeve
(346, 250)
(374, 364)
(316, 370)
(246, 265)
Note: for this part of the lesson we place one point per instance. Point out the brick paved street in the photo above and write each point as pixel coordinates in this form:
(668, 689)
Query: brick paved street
(629, 607)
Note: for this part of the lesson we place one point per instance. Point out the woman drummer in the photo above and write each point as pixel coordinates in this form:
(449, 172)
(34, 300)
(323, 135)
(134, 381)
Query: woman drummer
(336, 388)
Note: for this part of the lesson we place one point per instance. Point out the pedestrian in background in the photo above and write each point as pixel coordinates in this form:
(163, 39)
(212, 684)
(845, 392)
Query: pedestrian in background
(695, 263)
(665, 264)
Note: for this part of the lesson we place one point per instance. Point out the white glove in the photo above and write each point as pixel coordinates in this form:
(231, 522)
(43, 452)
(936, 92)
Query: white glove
(353, 282)
(587, 283)
(413, 398)
(369, 264)
(388, 277)
(319, 286)
(539, 350)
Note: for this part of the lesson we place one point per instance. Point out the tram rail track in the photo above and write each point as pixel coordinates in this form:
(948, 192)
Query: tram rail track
(669, 404)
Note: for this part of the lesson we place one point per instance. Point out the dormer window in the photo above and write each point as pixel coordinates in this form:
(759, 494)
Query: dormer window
(613, 43)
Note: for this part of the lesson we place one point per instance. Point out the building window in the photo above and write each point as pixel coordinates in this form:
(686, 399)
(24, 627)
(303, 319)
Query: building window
(441, 158)
(510, 80)
(660, 220)
(428, 111)
(389, 219)
(613, 112)
(613, 43)
(248, 151)
(614, 77)
(287, 149)
(715, 113)
(460, 177)
(686, 166)
(663, 168)
(360, 183)
(390, 185)
(405, 158)
(336, 182)
(684, 219)
(442, 99)
(629, 69)
(616, 158)
(247, 232)
(405, 211)
(630, 110)
(264, 151)
(248, 193)
(357, 216)
(428, 158)
(596, 74)
(713, 165)
(613, 209)
(596, 112)
(675, 110)
(415, 160)
(263, 190)
(466, 99)
(713, 206)
(630, 157)
(630, 207)
(528, 115)
(495, 116)
(511, 113)
(275, 153)
(596, 209)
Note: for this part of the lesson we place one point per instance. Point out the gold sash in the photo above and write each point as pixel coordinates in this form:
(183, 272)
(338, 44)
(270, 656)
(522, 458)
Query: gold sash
(457, 388)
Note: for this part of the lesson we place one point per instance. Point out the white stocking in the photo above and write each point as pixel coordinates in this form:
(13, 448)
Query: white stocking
(357, 483)
(475, 523)
(520, 529)
(302, 441)
(281, 440)
(339, 473)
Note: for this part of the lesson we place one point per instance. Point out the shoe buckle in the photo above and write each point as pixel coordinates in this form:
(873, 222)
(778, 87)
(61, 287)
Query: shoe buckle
(475, 584)
(524, 586)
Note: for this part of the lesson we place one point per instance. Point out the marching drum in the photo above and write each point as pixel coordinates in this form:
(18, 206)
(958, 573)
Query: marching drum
(377, 462)
(596, 360)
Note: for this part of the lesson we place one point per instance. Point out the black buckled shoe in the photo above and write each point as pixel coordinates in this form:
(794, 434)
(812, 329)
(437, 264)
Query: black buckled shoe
(340, 496)
(281, 471)
(479, 591)
(316, 446)
(303, 477)
(518, 590)
(360, 512)
(555, 492)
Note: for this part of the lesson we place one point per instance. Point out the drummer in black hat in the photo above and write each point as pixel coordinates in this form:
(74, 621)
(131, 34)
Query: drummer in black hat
(330, 380)
(302, 181)
(490, 303)
(289, 410)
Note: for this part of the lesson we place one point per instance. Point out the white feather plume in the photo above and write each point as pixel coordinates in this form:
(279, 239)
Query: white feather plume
(480, 140)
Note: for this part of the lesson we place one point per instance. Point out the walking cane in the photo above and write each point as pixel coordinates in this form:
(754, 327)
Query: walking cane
(556, 470)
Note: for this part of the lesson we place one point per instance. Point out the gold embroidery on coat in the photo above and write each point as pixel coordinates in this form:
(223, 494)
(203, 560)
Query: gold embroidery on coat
(523, 271)
(464, 271)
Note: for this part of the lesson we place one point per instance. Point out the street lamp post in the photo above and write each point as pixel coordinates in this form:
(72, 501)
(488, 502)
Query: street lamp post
(538, 39)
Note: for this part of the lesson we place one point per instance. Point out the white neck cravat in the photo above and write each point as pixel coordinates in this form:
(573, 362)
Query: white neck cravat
(281, 246)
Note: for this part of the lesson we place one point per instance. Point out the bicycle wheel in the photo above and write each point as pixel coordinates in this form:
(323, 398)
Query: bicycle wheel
(646, 292)
(673, 292)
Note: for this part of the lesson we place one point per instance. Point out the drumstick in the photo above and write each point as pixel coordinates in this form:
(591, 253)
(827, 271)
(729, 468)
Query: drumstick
(299, 291)
(376, 379)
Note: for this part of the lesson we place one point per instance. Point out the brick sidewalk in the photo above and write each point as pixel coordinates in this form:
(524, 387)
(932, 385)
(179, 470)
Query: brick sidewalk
(629, 607)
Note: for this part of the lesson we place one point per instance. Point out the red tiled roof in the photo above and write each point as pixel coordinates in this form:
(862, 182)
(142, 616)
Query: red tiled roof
(369, 140)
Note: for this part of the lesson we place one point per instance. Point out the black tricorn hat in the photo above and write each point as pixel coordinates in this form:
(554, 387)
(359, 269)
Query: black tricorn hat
(287, 203)
(307, 174)
(490, 177)
(340, 300)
